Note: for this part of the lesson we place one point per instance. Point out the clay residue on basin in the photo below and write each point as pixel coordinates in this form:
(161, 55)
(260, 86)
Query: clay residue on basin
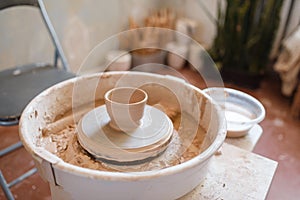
(60, 138)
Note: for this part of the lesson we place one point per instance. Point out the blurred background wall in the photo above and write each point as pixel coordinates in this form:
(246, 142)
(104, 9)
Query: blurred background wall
(81, 25)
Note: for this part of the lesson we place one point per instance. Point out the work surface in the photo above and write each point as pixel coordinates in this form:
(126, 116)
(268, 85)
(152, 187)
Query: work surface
(235, 174)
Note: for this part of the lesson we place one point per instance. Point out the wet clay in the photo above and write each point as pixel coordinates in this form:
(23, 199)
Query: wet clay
(60, 138)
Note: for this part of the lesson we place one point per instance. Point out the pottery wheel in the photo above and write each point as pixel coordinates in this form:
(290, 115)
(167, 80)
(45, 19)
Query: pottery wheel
(147, 141)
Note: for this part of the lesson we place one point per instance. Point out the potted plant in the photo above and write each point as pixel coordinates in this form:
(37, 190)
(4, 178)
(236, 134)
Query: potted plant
(245, 33)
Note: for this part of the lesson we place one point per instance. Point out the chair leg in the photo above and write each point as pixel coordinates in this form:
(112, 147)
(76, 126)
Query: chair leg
(10, 148)
(22, 177)
(5, 187)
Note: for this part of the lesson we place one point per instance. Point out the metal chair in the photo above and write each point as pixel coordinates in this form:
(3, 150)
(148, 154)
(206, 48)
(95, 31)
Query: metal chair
(20, 84)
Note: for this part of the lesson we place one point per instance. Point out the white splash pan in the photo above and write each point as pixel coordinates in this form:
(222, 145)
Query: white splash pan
(72, 182)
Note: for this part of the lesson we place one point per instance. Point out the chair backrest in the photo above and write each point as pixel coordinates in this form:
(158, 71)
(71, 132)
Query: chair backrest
(10, 3)
(40, 4)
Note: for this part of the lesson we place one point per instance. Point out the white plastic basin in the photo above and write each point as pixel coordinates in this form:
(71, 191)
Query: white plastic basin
(72, 182)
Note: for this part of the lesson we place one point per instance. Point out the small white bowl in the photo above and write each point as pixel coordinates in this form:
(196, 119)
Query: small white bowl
(118, 60)
(242, 111)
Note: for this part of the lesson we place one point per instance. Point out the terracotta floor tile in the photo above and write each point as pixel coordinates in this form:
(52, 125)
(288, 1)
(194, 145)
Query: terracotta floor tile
(15, 164)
